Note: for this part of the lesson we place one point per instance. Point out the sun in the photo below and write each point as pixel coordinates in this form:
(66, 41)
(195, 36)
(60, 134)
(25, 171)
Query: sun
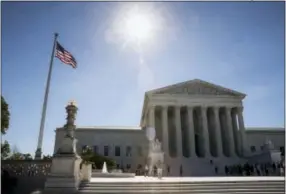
(138, 27)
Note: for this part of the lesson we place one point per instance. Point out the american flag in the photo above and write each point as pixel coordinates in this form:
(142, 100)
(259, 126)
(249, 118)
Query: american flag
(65, 56)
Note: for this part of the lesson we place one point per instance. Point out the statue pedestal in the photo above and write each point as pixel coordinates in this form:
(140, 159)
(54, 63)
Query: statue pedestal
(155, 156)
(65, 170)
(86, 172)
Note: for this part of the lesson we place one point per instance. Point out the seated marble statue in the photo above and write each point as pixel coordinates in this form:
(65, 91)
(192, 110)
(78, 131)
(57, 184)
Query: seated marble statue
(269, 145)
(156, 146)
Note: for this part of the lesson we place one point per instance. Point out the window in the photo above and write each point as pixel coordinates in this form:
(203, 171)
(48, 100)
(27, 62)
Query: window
(95, 149)
(106, 150)
(139, 151)
(128, 151)
(262, 148)
(252, 149)
(128, 166)
(117, 150)
(117, 166)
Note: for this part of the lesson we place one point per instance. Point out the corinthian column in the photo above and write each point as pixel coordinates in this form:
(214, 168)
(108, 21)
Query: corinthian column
(165, 130)
(178, 131)
(230, 131)
(241, 130)
(191, 132)
(151, 119)
(218, 132)
(205, 132)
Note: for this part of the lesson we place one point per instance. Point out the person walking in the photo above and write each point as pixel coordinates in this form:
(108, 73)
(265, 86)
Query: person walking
(181, 170)
(168, 170)
(159, 169)
(146, 170)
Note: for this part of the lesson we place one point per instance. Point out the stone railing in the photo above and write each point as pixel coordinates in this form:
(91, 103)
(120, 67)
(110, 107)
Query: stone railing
(27, 167)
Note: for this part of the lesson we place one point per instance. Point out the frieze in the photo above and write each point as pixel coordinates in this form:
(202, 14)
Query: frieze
(196, 89)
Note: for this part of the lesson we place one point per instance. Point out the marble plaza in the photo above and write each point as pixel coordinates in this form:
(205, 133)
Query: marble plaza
(200, 126)
(139, 179)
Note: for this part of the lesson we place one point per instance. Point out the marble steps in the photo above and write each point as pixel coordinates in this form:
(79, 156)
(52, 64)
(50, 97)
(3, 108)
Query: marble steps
(182, 184)
(253, 187)
(180, 192)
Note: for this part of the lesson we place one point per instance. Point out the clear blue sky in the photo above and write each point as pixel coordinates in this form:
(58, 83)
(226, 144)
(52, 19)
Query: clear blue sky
(239, 45)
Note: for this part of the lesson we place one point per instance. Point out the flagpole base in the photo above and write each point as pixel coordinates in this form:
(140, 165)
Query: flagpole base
(38, 154)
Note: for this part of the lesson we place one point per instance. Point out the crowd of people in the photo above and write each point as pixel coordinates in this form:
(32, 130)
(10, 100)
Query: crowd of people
(247, 169)
(258, 169)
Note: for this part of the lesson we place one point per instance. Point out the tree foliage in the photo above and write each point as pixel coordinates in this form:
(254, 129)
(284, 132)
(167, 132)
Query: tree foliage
(98, 161)
(47, 157)
(20, 156)
(5, 150)
(5, 116)
(15, 154)
(88, 156)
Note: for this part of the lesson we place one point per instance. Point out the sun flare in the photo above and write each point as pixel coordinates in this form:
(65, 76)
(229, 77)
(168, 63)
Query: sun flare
(138, 27)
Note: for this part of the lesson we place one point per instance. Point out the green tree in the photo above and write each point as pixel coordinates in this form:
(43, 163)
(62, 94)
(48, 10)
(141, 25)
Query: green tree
(5, 116)
(27, 156)
(98, 161)
(88, 156)
(16, 156)
(47, 157)
(5, 150)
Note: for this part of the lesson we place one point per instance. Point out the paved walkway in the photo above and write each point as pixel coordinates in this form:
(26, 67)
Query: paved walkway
(187, 179)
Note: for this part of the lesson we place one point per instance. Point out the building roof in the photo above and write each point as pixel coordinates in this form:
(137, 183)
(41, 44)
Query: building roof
(265, 130)
(135, 128)
(110, 127)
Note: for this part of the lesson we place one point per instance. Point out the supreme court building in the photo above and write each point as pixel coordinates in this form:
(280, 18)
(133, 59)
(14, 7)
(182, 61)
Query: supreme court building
(200, 125)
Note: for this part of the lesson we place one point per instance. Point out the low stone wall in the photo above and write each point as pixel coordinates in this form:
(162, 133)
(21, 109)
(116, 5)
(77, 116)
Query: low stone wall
(31, 175)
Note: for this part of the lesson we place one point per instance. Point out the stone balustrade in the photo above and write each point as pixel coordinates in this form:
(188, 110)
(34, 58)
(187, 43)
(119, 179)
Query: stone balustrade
(27, 167)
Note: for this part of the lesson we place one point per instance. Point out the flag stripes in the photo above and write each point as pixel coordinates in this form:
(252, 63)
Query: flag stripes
(65, 56)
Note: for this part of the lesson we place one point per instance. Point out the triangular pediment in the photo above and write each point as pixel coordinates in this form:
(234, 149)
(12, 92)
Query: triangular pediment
(197, 87)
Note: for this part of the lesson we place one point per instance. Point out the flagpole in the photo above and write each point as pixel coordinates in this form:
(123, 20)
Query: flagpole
(38, 153)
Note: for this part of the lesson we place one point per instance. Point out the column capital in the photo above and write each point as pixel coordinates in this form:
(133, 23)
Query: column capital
(228, 109)
(151, 106)
(240, 109)
(165, 107)
(204, 108)
(177, 107)
(216, 108)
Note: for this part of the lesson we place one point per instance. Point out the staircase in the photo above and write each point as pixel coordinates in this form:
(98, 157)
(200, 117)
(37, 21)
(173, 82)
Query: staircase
(224, 185)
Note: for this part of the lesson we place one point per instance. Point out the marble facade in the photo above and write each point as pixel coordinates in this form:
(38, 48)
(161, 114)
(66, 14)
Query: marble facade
(196, 121)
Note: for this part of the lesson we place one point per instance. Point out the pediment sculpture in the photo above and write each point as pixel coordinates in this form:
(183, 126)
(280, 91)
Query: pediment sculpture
(197, 89)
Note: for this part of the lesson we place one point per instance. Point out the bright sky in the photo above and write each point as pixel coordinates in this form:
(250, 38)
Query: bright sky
(239, 45)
